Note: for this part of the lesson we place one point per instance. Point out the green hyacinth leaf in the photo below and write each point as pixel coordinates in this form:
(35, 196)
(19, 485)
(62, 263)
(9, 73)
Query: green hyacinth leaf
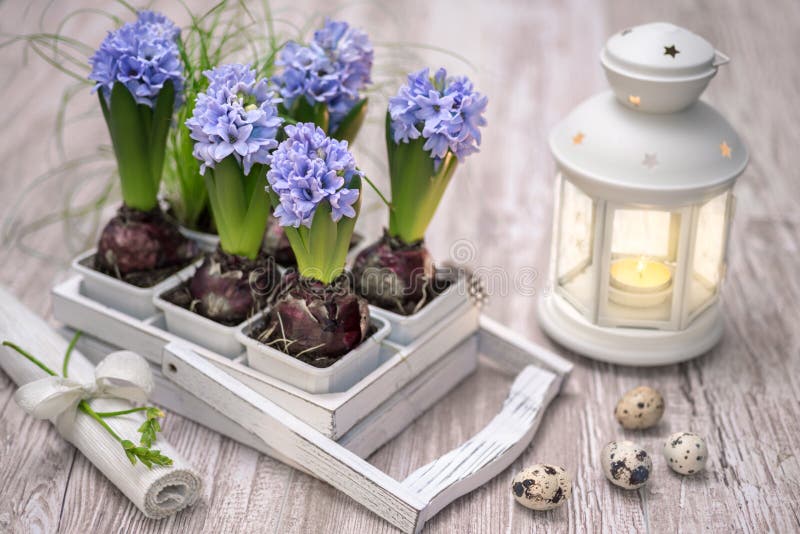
(106, 114)
(292, 234)
(216, 208)
(346, 225)
(254, 221)
(417, 185)
(228, 202)
(302, 111)
(321, 116)
(390, 144)
(321, 244)
(130, 140)
(106, 117)
(417, 188)
(409, 176)
(351, 123)
(162, 120)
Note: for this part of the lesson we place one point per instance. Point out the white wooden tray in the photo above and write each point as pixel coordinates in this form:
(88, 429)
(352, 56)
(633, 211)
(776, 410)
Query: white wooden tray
(243, 414)
(332, 414)
(409, 503)
(383, 423)
(329, 435)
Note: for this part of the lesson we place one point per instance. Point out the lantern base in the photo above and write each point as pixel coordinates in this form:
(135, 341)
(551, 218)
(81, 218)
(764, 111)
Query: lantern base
(628, 346)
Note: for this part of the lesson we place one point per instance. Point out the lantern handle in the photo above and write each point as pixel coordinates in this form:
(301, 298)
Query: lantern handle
(719, 59)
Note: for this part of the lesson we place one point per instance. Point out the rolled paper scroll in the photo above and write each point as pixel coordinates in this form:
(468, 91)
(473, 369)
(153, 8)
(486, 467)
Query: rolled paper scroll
(157, 492)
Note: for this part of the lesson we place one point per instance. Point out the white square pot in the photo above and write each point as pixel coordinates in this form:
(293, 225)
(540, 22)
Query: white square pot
(127, 298)
(196, 328)
(407, 328)
(206, 241)
(340, 376)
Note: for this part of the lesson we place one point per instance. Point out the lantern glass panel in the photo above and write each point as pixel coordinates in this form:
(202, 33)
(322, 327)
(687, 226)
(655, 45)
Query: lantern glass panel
(575, 246)
(643, 264)
(709, 252)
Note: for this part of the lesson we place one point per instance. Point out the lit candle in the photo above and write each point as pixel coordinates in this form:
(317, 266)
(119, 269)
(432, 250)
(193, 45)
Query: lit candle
(639, 282)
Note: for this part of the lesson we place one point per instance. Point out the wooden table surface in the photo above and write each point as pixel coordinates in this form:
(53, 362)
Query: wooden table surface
(536, 60)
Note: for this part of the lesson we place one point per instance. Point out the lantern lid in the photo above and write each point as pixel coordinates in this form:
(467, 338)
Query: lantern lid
(659, 67)
(621, 154)
(660, 50)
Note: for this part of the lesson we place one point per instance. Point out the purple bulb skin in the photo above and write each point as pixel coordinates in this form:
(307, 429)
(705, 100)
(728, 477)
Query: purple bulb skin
(229, 289)
(394, 275)
(315, 322)
(136, 241)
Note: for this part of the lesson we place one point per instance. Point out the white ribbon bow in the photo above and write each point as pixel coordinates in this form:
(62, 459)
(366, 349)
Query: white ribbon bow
(123, 375)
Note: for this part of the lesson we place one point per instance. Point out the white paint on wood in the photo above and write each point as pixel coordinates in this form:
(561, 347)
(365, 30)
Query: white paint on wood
(407, 505)
(491, 450)
(333, 414)
(291, 437)
(371, 433)
(410, 402)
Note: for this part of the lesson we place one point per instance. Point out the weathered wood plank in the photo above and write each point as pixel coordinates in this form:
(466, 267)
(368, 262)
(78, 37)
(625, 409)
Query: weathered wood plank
(294, 438)
(536, 60)
(35, 468)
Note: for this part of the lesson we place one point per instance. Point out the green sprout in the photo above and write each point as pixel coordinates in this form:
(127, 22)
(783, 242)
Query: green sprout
(143, 452)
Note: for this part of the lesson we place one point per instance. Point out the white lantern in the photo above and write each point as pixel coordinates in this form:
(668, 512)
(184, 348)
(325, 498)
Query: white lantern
(643, 205)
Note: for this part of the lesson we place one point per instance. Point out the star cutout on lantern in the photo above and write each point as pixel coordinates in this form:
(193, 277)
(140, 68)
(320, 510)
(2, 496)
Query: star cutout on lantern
(725, 150)
(634, 100)
(577, 139)
(650, 161)
(671, 51)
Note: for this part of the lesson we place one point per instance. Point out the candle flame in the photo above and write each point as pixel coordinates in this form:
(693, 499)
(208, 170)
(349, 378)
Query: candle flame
(640, 266)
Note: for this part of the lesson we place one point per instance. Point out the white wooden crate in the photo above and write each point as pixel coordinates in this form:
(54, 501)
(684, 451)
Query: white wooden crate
(381, 425)
(409, 503)
(333, 414)
(328, 436)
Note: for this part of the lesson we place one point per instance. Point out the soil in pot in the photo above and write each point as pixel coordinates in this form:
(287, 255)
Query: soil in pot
(398, 276)
(142, 248)
(314, 322)
(226, 288)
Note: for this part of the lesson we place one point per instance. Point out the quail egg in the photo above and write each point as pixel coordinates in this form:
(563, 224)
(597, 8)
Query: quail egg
(641, 407)
(626, 465)
(685, 452)
(542, 487)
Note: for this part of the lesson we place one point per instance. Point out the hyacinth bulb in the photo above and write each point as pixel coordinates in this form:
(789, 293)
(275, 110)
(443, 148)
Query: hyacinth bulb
(395, 275)
(315, 322)
(229, 288)
(138, 241)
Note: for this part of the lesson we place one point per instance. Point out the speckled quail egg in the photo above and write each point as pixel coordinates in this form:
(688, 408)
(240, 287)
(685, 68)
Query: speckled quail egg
(626, 464)
(542, 487)
(641, 407)
(685, 452)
